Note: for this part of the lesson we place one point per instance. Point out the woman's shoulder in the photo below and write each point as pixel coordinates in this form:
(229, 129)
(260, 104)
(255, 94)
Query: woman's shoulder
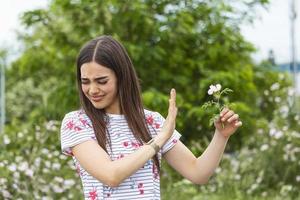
(76, 115)
(152, 114)
(76, 118)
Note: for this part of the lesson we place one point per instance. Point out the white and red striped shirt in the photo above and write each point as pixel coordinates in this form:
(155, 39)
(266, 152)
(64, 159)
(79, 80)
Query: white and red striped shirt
(143, 184)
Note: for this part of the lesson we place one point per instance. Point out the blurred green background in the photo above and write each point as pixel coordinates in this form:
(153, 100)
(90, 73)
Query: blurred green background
(185, 44)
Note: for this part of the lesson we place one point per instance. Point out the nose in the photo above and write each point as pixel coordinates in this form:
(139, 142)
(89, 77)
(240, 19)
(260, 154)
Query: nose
(94, 89)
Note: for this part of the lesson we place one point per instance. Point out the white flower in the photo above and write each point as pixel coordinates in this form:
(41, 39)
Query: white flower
(218, 86)
(266, 92)
(218, 170)
(23, 166)
(298, 178)
(214, 88)
(275, 133)
(57, 189)
(6, 139)
(12, 167)
(45, 151)
(260, 131)
(20, 134)
(69, 182)
(6, 194)
(58, 179)
(277, 99)
(264, 147)
(29, 172)
(56, 166)
(274, 86)
(291, 91)
(237, 177)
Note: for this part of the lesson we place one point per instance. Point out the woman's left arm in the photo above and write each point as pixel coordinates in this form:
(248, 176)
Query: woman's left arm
(199, 170)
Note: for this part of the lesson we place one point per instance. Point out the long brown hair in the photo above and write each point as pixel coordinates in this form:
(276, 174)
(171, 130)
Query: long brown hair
(108, 52)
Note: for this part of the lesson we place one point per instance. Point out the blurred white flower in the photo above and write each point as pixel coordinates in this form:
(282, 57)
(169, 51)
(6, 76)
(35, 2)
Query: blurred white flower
(57, 189)
(2, 181)
(281, 76)
(264, 194)
(45, 151)
(23, 166)
(266, 92)
(19, 158)
(260, 131)
(16, 175)
(218, 86)
(218, 170)
(297, 117)
(275, 133)
(51, 125)
(69, 182)
(45, 188)
(12, 167)
(48, 164)
(56, 153)
(46, 198)
(264, 147)
(20, 134)
(284, 109)
(37, 161)
(277, 99)
(6, 194)
(259, 180)
(298, 178)
(6, 139)
(291, 91)
(295, 134)
(237, 177)
(56, 166)
(275, 86)
(58, 179)
(15, 186)
(285, 189)
(29, 172)
(254, 186)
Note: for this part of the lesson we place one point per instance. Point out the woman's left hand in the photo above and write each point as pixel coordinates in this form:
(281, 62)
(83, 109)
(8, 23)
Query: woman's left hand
(230, 120)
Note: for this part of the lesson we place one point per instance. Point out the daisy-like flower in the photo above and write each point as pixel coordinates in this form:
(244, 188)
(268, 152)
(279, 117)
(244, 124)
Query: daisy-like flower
(214, 88)
(216, 92)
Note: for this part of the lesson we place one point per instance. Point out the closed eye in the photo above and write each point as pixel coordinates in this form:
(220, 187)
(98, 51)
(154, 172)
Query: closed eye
(102, 82)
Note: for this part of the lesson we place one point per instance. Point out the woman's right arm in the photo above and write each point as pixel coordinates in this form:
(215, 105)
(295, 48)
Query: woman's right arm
(98, 163)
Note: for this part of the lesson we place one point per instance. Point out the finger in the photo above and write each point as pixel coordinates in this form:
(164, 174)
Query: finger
(172, 103)
(172, 100)
(238, 124)
(224, 111)
(227, 115)
(233, 118)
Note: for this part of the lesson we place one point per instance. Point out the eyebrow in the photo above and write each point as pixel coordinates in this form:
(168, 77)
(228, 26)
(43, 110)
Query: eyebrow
(96, 79)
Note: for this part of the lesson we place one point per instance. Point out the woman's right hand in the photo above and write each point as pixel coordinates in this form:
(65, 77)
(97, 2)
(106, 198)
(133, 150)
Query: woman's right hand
(169, 124)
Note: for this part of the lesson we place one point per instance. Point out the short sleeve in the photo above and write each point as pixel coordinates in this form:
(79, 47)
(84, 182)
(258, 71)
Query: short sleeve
(75, 129)
(172, 140)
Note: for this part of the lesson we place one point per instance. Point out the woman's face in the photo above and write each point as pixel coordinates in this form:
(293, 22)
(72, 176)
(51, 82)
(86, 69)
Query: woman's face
(99, 85)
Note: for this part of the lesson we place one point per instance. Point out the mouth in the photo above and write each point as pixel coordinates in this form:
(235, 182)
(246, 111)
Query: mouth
(96, 98)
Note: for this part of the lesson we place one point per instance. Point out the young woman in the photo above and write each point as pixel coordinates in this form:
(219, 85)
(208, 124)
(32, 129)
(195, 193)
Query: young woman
(115, 143)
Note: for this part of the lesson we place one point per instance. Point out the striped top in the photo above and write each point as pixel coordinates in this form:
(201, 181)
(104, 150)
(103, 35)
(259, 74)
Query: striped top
(143, 184)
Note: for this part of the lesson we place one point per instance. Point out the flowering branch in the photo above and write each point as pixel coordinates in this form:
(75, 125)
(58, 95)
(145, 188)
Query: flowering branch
(215, 91)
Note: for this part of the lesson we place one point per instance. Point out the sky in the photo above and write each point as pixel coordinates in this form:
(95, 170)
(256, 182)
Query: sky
(271, 30)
